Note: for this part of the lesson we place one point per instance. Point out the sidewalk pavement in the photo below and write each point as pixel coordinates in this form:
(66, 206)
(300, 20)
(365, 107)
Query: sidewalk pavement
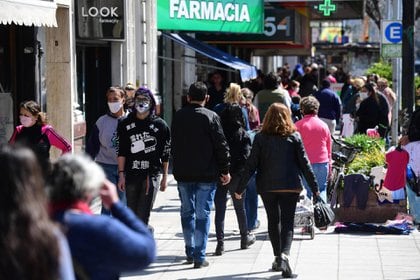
(327, 256)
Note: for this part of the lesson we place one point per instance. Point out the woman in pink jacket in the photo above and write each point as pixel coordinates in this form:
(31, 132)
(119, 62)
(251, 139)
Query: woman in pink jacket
(35, 133)
(316, 139)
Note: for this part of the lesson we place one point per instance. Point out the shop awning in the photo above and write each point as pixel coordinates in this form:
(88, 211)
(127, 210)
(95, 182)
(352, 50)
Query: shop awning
(28, 12)
(247, 71)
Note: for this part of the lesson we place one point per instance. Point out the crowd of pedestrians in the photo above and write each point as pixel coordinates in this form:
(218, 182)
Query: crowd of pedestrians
(270, 137)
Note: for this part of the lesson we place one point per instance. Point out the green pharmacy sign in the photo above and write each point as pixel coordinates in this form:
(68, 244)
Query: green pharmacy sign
(240, 16)
(327, 7)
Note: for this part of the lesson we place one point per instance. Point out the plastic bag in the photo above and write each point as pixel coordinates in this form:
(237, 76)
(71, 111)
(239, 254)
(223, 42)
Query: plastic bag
(323, 214)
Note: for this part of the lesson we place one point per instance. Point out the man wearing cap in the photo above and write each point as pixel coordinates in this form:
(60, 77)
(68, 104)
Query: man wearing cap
(130, 90)
(144, 148)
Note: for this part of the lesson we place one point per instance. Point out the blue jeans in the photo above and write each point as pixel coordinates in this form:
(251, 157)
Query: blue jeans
(321, 175)
(111, 172)
(414, 204)
(196, 203)
(251, 203)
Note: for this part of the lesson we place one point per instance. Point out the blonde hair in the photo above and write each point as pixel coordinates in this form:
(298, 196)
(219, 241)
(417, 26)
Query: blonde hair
(233, 94)
(278, 121)
(247, 92)
(383, 81)
(358, 83)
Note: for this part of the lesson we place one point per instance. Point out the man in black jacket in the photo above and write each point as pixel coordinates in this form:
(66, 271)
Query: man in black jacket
(200, 158)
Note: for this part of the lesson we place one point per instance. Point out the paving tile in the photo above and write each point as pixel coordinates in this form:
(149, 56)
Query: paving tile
(327, 256)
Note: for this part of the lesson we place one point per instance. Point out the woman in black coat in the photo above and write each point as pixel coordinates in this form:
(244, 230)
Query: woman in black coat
(279, 158)
(373, 111)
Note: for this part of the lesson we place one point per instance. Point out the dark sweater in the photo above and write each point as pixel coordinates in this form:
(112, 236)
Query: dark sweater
(372, 114)
(329, 104)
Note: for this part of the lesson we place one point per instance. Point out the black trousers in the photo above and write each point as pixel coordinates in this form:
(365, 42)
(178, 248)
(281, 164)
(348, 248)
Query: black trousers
(140, 196)
(280, 208)
(220, 206)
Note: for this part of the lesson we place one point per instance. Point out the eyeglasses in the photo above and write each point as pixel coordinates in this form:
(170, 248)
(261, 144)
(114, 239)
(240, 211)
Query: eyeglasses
(142, 99)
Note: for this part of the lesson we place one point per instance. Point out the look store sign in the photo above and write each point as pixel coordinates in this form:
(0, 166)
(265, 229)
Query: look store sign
(240, 16)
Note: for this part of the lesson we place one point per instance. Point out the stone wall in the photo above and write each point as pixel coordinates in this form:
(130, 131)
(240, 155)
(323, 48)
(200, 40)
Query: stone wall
(59, 77)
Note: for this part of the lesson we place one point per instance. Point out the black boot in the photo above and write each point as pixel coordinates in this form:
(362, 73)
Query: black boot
(285, 266)
(247, 240)
(220, 248)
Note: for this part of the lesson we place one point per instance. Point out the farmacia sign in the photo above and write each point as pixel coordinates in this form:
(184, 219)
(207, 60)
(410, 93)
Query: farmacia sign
(240, 16)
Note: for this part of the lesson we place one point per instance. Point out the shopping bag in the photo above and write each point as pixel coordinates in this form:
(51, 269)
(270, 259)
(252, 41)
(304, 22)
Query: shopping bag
(323, 214)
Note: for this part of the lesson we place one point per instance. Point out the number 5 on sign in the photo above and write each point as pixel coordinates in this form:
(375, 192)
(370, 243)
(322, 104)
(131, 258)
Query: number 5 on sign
(270, 26)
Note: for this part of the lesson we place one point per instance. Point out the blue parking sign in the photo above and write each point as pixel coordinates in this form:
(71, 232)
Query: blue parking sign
(394, 32)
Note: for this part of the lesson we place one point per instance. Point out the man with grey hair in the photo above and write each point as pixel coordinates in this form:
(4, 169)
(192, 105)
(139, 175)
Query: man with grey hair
(102, 247)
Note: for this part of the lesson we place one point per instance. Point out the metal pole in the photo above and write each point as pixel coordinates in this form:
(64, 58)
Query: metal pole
(40, 98)
(408, 54)
(396, 76)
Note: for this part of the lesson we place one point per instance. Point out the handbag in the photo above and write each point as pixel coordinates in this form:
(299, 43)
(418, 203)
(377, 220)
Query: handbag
(323, 214)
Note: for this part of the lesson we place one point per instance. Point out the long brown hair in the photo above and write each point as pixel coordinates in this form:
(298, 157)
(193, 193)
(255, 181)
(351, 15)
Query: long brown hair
(28, 245)
(278, 121)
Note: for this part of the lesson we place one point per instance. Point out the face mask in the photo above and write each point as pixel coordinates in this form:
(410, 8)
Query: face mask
(114, 107)
(363, 95)
(142, 107)
(26, 121)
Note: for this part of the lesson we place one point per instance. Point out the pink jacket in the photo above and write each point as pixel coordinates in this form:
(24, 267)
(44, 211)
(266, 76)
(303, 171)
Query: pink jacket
(316, 138)
(53, 137)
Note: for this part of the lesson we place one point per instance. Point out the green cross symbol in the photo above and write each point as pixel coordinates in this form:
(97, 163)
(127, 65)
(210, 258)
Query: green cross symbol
(327, 7)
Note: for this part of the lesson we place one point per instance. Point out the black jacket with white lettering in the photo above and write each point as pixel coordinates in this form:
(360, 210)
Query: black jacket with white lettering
(145, 144)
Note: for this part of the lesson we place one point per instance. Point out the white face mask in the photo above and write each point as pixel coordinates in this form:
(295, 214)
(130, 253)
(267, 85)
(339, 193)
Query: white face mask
(363, 95)
(27, 121)
(142, 107)
(114, 107)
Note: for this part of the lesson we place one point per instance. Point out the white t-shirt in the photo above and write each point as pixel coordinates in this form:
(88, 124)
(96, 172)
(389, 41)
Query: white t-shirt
(413, 149)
